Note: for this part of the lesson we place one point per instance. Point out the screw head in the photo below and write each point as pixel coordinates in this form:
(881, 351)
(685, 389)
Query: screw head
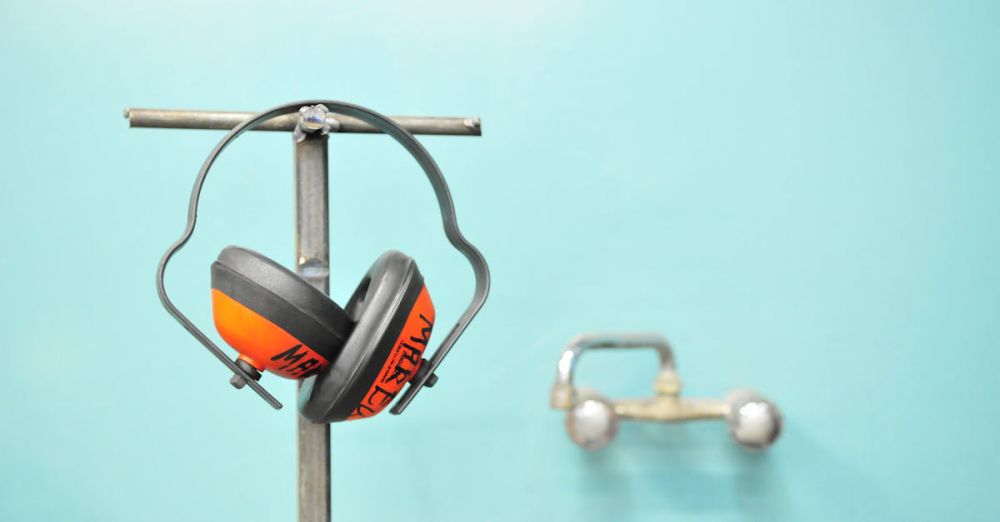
(237, 380)
(313, 117)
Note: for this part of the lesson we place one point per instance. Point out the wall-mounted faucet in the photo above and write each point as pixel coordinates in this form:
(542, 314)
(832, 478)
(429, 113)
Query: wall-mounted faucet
(592, 420)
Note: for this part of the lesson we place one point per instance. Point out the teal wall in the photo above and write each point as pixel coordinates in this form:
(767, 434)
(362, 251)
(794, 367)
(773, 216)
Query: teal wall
(803, 196)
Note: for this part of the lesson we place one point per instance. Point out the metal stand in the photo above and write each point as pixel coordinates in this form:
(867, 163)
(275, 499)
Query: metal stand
(312, 259)
(312, 243)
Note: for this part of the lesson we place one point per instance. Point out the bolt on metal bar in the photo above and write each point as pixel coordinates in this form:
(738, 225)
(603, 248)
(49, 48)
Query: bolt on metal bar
(225, 120)
(312, 252)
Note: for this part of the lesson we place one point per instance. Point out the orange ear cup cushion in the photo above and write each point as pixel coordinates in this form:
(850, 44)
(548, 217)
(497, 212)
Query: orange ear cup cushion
(276, 320)
(393, 316)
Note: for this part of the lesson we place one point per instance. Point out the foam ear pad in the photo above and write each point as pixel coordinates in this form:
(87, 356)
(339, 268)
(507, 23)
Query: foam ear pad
(393, 316)
(274, 318)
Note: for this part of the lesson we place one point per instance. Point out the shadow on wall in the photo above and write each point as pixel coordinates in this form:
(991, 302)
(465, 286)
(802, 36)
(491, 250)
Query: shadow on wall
(696, 468)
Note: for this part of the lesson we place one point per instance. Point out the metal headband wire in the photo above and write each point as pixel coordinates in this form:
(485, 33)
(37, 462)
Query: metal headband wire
(452, 232)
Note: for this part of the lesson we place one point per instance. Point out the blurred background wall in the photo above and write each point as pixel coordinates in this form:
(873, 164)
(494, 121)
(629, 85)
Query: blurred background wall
(802, 196)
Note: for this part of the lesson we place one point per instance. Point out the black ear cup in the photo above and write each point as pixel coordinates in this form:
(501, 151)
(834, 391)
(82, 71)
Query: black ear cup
(393, 318)
(274, 318)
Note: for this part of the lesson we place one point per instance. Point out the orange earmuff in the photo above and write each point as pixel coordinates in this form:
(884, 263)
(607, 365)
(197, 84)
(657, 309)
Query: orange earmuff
(280, 323)
(353, 362)
(394, 317)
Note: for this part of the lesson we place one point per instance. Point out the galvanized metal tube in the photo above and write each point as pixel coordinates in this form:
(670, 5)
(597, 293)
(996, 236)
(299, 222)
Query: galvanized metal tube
(312, 251)
(225, 120)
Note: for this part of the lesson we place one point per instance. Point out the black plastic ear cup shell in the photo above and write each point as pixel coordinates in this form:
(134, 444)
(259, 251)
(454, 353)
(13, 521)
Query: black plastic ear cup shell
(379, 308)
(282, 297)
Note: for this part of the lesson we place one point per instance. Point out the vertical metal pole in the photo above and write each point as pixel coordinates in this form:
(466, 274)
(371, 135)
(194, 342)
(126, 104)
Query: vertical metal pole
(312, 250)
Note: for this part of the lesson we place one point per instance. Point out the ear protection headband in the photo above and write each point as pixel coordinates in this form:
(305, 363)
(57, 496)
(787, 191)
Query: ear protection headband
(592, 420)
(355, 359)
